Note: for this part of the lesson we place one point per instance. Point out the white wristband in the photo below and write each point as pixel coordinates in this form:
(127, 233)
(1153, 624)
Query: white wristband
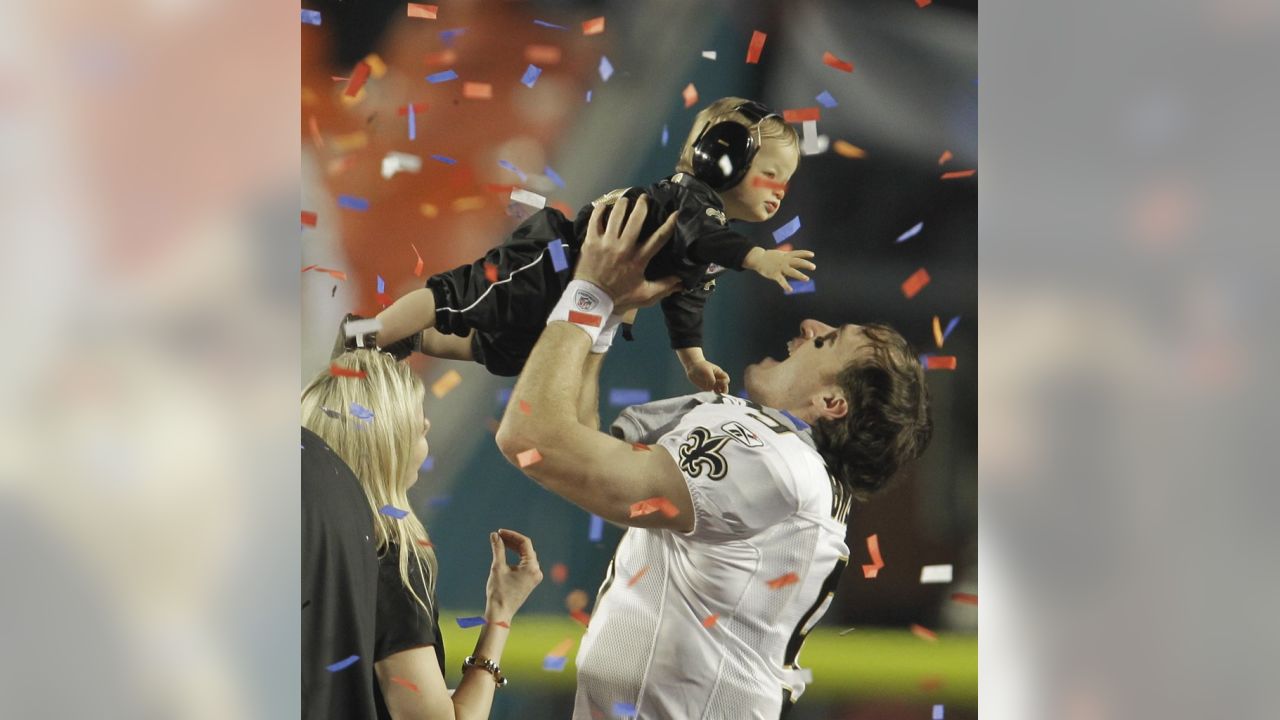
(605, 340)
(584, 306)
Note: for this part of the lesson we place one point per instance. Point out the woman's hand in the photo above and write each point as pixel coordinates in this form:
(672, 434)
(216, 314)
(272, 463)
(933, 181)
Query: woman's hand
(509, 585)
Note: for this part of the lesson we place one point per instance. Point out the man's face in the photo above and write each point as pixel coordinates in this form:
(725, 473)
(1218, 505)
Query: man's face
(814, 358)
(775, 163)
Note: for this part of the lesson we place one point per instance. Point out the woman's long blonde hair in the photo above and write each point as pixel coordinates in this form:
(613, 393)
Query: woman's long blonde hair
(378, 449)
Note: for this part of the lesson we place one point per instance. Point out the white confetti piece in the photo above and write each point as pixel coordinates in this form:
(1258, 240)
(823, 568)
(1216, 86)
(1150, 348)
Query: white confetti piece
(709, 54)
(360, 328)
(935, 574)
(396, 162)
(533, 199)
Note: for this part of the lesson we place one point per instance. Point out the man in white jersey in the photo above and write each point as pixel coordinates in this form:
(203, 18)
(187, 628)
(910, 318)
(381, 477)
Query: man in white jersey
(736, 513)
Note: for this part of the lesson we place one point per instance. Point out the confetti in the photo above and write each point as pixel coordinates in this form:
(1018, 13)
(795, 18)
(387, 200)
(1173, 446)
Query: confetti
(503, 624)
(311, 17)
(532, 199)
(582, 617)
(914, 284)
(873, 548)
(639, 574)
(477, 91)
(957, 174)
(377, 68)
(710, 620)
(811, 142)
(787, 230)
(358, 79)
(308, 218)
(471, 202)
(950, 326)
(558, 260)
(551, 175)
(924, 633)
(491, 272)
(783, 581)
(849, 150)
(836, 62)
(447, 382)
(581, 318)
(940, 362)
(935, 574)
(923, 3)
(417, 269)
(652, 505)
(561, 649)
(546, 24)
(470, 622)
(665, 136)
(440, 501)
(800, 287)
(338, 371)
(440, 58)
(965, 598)
(588, 96)
(946, 155)
(594, 26)
(382, 285)
(825, 100)
(440, 77)
(529, 457)
(757, 44)
(426, 12)
(937, 709)
(511, 166)
(525, 408)
(503, 396)
(846, 632)
(914, 231)
(444, 159)
(622, 710)
(429, 464)
(690, 94)
(765, 182)
(640, 447)
(361, 412)
(606, 68)
(396, 162)
(392, 511)
(709, 54)
(352, 202)
(802, 114)
(406, 683)
(628, 396)
(595, 529)
(342, 664)
(559, 572)
(448, 35)
(531, 74)
(545, 54)
(554, 664)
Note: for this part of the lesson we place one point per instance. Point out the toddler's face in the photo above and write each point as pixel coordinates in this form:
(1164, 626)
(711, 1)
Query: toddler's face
(775, 164)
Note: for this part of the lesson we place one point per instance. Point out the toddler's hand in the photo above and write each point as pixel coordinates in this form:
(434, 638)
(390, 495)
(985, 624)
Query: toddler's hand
(708, 376)
(777, 265)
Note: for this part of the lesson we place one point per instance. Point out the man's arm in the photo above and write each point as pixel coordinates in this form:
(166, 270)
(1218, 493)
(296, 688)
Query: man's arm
(589, 401)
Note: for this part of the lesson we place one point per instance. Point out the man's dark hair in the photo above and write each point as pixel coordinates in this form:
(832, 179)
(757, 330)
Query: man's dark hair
(888, 423)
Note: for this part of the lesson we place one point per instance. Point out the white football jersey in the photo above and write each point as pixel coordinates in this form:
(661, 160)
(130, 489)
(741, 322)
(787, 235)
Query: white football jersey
(709, 624)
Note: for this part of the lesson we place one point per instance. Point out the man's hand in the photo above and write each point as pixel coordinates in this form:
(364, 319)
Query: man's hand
(708, 376)
(777, 265)
(612, 260)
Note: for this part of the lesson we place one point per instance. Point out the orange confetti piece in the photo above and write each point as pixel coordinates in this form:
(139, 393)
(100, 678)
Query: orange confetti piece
(525, 408)
(946, 155)
(308, 218)
(636, 578)
(690, 94)
(335, 274)
(940, 362)
(351, 141)
(316, 138)
(957, 174)
(406, 683)
(765, 182)
(582, 617)
(559, 573)
(561, 649)
(965, 598)
(836, 62)
(639, 447)
(529, 457)
(594, 26)
(491, 272)
(873, 548)
(428, 210)
(914, 284)
(922, 3)
(471, 202)
(924, 633)
(426, 12)
(440, 58)
(447, 382)
(358, 79)
(477, 91)
(710, 620)
(796, 115)
(783, 581)
(417, 269)
(338, 371)
(426, 543)
(757, 44)
(937, 331)
(542, 54)
(653, 505)
(377, 68)
(849, 150)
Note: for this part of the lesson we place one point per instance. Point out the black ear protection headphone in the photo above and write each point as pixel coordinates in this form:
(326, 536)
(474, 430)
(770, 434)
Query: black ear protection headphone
(723, 152)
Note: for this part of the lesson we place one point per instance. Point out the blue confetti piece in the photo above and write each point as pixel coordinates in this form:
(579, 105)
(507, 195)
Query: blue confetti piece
(444, 159)
(799, 287)
(342, 664)
(937, 712)
(393, 511)
(826, 100)
(628, 396)
(665, 136)
(546, 24)
(914, 231)
(588, 96)
(427, 465)
(504, 396)
(950, 326)
(786, 231)
(595, 531)
(440, 501)
(554, 663)
(558, 260)
(531, 75)
(444, 76)
(511, 166)
(447, 36)
(470, 622)
(361, 411)
(382, 284)
(624, 710)
(606, 68)
(800, 424)
(351, 202)
(554, 177)
(311, 17)
(924, 359)
(413, 124)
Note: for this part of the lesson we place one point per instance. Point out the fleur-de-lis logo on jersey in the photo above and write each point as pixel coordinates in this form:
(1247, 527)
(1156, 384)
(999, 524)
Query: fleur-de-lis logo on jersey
(702, 453)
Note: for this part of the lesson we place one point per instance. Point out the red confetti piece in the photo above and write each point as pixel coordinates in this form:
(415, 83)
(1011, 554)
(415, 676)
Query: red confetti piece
(335, 274)
(783, 581)
(491, 272)
(529, 457)
(710, 620)
(639, 574)
(946, 155)
(308, 218)
(836, 62)
(542, 54)
(581, 617)
(418, 108)
(937, 331)
(426, 12)
(690, 94)
(477, 91)
(594, 26)
(417, 269)
(406, 683)
(526, 408)
(757, 44)
(440, 58)
(873, 548)
(581, 318)
(652, 505)
(309, 267)
(956, 174)
(426, 543)
(796, 115)
(924, 633)
(914, 284)
(358, 79)
(922, 3)
(940, 362)
(639, 446)
(503, 624)
(338, 371)
(559, 573)
(966, 598)
(765, 182)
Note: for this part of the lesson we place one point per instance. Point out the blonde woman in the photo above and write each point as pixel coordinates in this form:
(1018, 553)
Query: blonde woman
(368, 409)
